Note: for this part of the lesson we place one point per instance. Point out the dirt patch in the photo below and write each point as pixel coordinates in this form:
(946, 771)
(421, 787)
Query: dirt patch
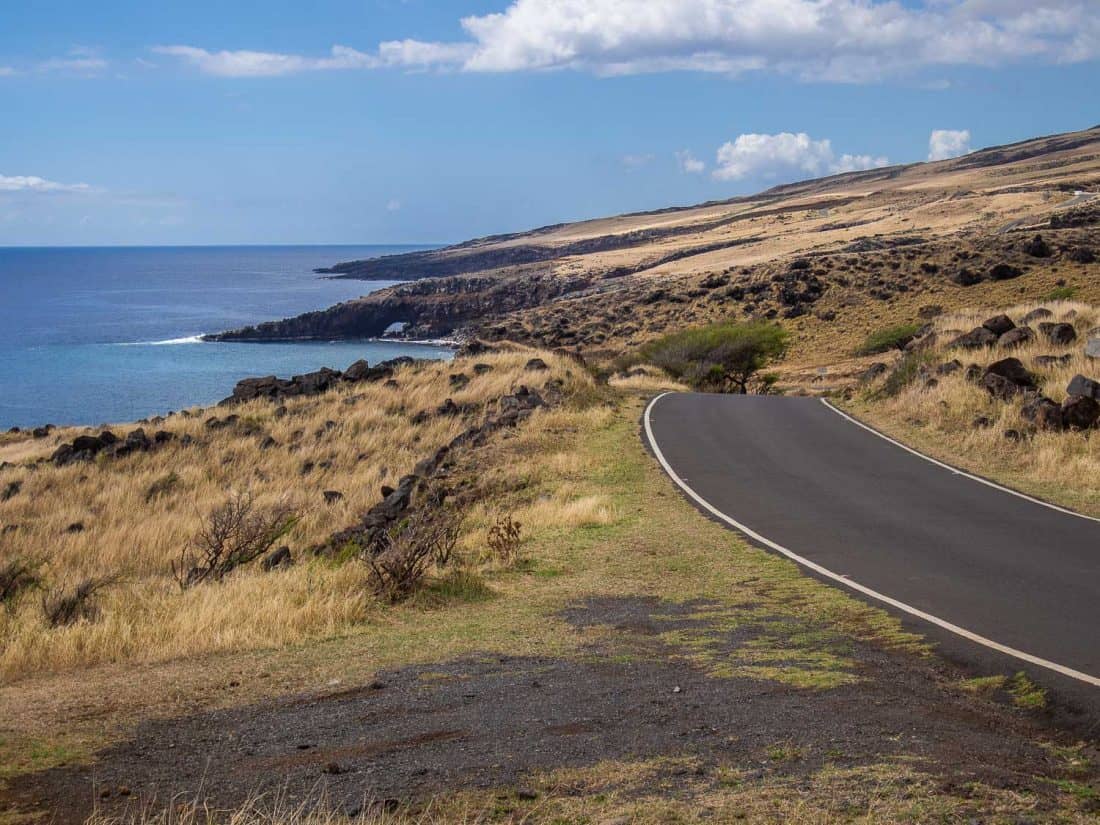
(496, 722)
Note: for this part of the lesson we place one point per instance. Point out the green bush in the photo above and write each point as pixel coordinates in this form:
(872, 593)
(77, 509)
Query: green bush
(888, 339)
(1061, 293)
(718, 357)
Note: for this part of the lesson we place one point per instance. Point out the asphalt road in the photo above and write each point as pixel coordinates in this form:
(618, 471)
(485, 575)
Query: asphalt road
(992, 568)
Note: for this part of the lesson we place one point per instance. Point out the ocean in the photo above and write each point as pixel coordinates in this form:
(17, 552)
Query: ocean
(96, 335)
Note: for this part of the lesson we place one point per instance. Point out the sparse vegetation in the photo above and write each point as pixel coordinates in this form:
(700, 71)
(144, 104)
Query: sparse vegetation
(504, 538)
(17, 576)
(232, 535)
(409, 549)
(884, 340)
(64, 606)
(951, 416)
(720, 357)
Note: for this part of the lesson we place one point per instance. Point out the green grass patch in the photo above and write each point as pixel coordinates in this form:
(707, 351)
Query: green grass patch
(887, 339)
(1061, 293)
(983, 684)
(1025, 693)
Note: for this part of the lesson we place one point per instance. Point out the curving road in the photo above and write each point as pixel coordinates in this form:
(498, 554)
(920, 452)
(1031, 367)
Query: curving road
(989, 566)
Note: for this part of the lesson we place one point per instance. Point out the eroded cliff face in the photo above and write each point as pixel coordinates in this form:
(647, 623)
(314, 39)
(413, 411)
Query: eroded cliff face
(429, 308)
(831, 258)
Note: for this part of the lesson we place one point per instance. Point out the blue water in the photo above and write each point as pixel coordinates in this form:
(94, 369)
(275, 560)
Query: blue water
(92, 335)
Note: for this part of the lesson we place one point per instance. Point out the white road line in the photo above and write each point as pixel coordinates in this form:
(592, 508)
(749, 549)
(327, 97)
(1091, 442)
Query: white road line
(956, 470)
(847, 582)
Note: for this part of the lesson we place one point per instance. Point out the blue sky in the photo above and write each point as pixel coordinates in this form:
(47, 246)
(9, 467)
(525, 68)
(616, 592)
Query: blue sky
(388, 121)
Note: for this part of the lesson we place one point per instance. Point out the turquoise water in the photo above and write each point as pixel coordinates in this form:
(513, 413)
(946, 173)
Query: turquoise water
(110, 334)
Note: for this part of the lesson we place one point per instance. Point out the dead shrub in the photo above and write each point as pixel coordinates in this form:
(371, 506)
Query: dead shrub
(234, 534)
(504, 538)
(63, 607)
(408, 549)
(17, 576)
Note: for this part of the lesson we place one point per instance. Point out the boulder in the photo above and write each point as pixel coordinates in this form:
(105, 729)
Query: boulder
(1080, 385)
(536, 365)
(1007, 378)
(1038, 248)
(1043, 413)
(332, 496)
(357, 371)
(1081, 255)
(1092, 348)
(458, 380)
(1037, 314)
(1047, 361)
(949, 367)
(1058, 334)
(874, 371)
(277, 559)
(999, 324)
(1079, 412)
(1016, 337)
(966, 277)
(1004, 272)
(975, 339)
(481, 369)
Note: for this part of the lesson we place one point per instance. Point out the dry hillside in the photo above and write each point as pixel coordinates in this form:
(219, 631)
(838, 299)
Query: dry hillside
(833, 258)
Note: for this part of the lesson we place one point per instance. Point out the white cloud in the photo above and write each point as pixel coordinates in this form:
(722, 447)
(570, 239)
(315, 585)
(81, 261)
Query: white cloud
(79, 65)
(411, 54)
(948, 143)
(689, 163)
(785, 155)
(31, 183)
(833, 40)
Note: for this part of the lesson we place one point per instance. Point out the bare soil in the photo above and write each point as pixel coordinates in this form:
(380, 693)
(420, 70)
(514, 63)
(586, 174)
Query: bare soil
(501, 722)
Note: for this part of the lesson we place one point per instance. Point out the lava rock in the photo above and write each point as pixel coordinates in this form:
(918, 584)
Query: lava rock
(1016, 337)
(277, 559)
(1079, 385)
(1007, 378)
(949, 367)
(1043, 413)
(966, 277)
(536, 365)
(1036, 315)
(874, 371)
(1038, 248)
(975, 339)
(1047, 361)
(1058, 334)
(1080, 412)
(999, 324)
(1092, 348)
(332, 496)
(1004, 272)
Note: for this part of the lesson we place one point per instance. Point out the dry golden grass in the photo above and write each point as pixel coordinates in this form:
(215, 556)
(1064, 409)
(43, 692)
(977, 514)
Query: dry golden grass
(134, 539)
(1062, 466)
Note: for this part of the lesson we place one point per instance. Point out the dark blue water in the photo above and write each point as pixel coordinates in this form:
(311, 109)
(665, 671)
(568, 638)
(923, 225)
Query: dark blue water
(98, 335)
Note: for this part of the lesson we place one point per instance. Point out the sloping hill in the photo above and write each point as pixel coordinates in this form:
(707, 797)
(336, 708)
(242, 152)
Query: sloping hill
(870, 246)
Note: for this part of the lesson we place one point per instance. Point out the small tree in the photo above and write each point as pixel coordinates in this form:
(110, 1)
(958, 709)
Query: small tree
(232, 535)
(718, 357)
(408, 549)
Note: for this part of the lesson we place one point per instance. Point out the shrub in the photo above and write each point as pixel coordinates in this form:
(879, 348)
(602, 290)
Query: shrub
(17, 575)
(161, 487)
(232, 535)
(888, 339)
(409, 548)
(504, 538)
(904, 373)
(720, 356)
(1061, 293)
(64, 607)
